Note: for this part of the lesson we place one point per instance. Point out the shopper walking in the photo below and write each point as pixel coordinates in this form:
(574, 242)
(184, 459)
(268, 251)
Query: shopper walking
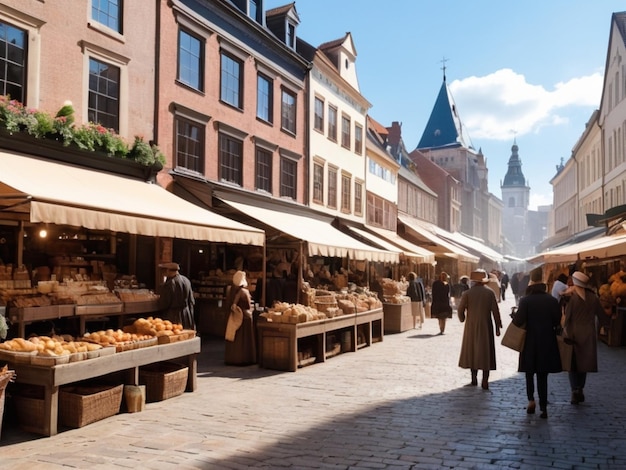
(240, 334)
(441, 308)
(579, 327)
(176, 301)
(479, 305)
(541, 314)
(415, 291)
(504, 284)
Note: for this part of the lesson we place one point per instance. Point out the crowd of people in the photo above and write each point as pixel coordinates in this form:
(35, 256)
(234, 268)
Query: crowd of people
(569, 313)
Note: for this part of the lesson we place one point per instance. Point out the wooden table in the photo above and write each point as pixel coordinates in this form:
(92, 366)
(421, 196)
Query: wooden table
(51, 377)
(278, 342)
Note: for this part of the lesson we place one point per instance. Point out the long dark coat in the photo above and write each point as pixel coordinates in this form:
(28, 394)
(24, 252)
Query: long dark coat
(542, 315)
(580, 324)
(176, 301)
(478, 349)
(440, 307)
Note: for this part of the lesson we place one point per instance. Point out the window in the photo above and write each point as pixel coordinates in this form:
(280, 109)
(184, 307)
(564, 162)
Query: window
(318, 183)
(13, 62)
(288, 177)
(332, 187)
(108, 13)
(345, 132)
(263, 166)
(318, 121)
(104, 94)
(358, 198)
(189, 145)
(264, 98)
(332, 123)
(288, 112)
(345, 193)
(358, 139)
(232, 81)
(256, 10)
(290, 40)
(230, 159)
(381, 213)
(190, 60)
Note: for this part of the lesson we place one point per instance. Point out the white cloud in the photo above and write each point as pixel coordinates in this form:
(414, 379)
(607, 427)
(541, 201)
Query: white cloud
(503, 104)
(537, 200)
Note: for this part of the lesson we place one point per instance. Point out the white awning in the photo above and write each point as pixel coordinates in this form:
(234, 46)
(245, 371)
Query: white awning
(322, 238)
(50, 192)
(392, 241)
(447, 248)
(471, 244)
(608, 246)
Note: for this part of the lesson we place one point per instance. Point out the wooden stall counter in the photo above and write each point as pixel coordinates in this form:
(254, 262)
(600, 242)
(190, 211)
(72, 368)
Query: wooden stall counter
(285, 346)
(52, 377)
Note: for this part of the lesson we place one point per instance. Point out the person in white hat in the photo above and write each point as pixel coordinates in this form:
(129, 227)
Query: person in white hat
(176, 300)
(478, 350)
(579, 326)
(240, 336)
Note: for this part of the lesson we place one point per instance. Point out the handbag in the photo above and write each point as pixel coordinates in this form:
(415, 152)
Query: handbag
(514, 337)
(566, 349)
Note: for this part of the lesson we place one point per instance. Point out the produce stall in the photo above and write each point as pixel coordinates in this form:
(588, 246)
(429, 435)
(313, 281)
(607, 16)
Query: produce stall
(52, 362)
(295, 335)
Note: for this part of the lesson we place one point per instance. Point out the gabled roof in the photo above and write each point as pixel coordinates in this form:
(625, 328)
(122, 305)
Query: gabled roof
(444, 127)
(620, 22)
(280, 10)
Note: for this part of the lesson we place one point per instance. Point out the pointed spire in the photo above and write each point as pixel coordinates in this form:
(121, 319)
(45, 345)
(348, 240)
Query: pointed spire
(514, 175)
(444, 127)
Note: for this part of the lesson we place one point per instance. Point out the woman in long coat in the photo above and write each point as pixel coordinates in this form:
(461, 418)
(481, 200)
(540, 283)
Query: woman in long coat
(441, 308)
(478, 349)
(240, 334)
(541, 314)
(581, 312)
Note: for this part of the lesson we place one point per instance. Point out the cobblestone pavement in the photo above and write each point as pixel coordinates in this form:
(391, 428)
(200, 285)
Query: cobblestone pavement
(401, 403)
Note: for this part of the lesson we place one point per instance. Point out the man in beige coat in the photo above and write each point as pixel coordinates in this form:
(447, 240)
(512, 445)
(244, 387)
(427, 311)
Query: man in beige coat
(478, 347)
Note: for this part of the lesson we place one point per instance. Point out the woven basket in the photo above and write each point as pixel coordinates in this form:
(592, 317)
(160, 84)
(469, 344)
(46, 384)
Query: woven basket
(163, 380)
(322, 304)
(29, 405)
(79, 406)
(5, 378)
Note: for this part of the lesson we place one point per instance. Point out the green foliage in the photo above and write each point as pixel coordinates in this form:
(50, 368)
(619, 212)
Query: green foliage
(14, 117)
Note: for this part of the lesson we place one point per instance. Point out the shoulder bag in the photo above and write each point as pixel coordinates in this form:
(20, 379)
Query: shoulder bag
(514, 337)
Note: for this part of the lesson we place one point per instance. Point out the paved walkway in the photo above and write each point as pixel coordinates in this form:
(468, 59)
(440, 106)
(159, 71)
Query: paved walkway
(398, 404)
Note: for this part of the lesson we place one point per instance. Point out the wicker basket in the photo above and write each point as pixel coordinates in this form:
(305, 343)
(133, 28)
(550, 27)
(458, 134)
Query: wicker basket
(29, 408)
(163, 380)
(5, 378)
(79, 406)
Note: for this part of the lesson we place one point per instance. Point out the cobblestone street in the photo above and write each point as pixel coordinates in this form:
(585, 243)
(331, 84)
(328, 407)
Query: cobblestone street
(401, 403)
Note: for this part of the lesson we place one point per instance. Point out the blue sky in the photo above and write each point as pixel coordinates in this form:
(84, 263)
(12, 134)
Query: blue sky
(530, 71)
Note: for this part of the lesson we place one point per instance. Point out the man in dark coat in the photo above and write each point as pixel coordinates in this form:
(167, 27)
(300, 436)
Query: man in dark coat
(541, 314)
(176, 299)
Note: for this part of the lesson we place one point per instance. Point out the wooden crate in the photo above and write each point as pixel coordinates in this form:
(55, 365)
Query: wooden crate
(163, 380)
(80, 406)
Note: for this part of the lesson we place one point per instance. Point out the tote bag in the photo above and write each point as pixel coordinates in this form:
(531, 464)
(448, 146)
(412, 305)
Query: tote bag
(514, 337)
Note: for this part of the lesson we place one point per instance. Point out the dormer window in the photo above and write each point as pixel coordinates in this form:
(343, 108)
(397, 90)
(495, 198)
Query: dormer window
(290, 38)
(252, 8)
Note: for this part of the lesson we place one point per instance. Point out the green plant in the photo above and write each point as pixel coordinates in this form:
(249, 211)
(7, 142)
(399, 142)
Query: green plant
(144, 153)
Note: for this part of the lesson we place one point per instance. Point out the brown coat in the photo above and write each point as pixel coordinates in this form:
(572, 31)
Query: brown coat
(580, 326)
(478, 347)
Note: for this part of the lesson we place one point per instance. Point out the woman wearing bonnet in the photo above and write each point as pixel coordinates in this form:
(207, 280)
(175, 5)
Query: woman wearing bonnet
(580, 330)
(240, 335)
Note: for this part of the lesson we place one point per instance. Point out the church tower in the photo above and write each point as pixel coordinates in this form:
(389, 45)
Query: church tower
(516, 199)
